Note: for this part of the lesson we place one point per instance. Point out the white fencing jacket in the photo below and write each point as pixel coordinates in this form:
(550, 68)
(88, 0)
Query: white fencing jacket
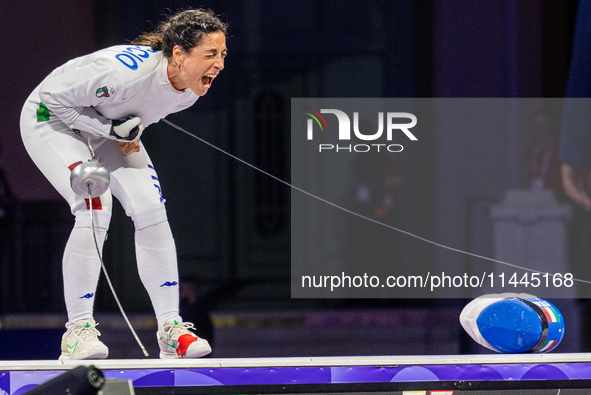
(88, 92)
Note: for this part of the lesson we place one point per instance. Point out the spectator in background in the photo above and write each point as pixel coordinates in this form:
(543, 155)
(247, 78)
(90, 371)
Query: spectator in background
(575, 137)
(575, 152)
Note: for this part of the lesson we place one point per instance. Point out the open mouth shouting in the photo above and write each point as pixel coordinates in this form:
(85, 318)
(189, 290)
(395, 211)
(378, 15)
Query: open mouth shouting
(206, 80)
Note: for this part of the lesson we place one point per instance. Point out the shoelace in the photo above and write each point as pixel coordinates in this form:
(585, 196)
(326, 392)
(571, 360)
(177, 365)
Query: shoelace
(84, 333)
(178, 329)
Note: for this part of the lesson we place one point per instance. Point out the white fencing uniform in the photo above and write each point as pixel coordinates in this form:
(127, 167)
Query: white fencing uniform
(76, 104)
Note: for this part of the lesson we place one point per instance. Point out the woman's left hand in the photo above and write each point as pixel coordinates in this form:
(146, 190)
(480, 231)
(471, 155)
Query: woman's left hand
(129, 148)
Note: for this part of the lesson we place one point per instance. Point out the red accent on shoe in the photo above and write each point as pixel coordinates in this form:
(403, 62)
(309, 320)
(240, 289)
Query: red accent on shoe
(184, 342)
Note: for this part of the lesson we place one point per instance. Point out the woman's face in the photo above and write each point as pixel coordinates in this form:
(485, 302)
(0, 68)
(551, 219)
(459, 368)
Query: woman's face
(202, 64)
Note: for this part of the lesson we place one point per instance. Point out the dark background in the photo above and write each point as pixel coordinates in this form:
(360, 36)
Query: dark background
(232, 225)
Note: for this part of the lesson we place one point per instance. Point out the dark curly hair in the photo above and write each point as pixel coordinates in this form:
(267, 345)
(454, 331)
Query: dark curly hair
(185, 29)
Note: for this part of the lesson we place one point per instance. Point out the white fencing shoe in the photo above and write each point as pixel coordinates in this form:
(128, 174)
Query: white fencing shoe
(177, 341)
(81, 342)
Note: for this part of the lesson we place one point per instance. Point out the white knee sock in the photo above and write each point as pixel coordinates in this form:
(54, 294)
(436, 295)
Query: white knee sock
(81, 269)
(157, 267)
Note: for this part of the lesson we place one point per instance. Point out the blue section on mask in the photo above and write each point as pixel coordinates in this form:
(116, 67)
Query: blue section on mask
(510, 326)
